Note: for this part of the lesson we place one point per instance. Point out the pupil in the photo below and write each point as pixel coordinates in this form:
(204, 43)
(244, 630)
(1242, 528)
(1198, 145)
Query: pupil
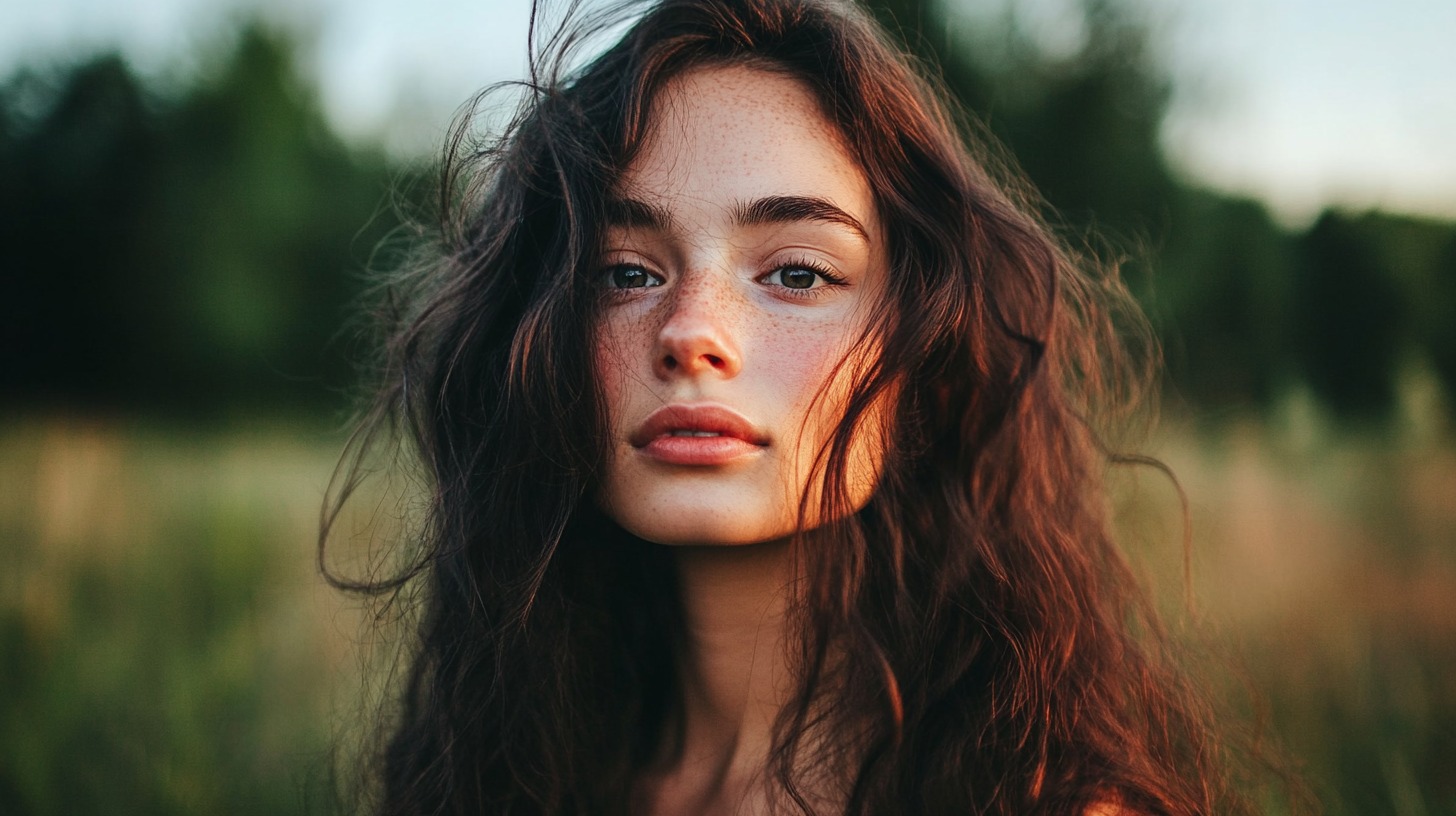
(627, 277)
(798, 278)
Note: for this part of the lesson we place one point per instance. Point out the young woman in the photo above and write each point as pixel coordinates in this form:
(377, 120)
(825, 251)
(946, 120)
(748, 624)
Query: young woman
(758, 417)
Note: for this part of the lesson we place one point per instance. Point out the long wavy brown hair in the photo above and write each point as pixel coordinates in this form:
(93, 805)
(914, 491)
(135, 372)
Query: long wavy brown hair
(971, 641)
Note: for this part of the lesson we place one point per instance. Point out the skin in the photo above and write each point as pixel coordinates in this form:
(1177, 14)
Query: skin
(720, 321)
(710, 306)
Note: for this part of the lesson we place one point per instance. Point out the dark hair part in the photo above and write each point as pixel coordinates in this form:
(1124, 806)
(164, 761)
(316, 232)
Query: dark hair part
(973, 641)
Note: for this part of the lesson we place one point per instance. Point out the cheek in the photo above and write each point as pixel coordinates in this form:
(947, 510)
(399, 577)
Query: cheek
(614, 354)
(824, 379)
(814, 370)
(800, 361)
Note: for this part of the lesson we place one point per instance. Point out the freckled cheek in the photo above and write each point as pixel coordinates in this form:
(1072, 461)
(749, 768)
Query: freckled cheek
(797, 362)
(611, 362)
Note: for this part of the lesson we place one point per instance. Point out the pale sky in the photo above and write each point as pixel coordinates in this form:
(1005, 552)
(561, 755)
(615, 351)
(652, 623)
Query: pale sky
(1301, 103)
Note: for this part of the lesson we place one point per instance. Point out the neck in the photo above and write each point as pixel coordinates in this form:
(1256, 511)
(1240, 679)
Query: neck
(734, 674)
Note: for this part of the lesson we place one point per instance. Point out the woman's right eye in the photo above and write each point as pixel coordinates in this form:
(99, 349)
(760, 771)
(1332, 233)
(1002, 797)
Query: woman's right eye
(630, 276)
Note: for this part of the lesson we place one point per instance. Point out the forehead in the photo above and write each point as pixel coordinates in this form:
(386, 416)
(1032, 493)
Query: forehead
(736, 133)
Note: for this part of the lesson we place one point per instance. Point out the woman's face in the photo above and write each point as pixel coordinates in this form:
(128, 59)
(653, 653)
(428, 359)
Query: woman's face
(740, 269)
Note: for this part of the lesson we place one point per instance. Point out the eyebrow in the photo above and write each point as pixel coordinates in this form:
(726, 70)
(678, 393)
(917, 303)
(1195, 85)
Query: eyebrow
(787, 209)
(631, 212)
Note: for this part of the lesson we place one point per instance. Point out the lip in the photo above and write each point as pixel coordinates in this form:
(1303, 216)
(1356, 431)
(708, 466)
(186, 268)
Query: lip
(736, 436)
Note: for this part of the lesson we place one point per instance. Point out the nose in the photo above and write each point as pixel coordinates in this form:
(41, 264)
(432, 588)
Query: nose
(696, 337)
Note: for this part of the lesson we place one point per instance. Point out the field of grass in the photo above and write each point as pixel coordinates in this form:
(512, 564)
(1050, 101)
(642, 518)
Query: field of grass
(167, 647)
(1326, 566)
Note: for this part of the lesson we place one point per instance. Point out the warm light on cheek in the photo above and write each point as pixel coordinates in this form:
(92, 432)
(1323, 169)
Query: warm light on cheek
(864, 457)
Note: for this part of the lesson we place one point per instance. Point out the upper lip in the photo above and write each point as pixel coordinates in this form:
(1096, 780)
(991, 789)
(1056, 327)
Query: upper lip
(702, 417)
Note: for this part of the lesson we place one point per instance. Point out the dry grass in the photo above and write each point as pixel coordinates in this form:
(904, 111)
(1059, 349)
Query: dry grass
(1327, 566)
(169, 648)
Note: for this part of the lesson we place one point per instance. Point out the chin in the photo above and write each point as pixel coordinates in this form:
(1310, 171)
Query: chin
(701, 526)
(699, 519)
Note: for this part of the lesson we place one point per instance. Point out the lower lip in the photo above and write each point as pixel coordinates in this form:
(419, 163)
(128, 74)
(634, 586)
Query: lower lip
(699, 450)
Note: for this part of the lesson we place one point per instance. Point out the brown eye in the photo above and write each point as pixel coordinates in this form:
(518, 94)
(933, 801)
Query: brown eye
(626, 276)
(802, 277)
(797, 278)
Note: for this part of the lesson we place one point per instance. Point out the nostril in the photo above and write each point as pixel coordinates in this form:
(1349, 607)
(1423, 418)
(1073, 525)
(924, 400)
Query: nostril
(669, 362)
(714, 360)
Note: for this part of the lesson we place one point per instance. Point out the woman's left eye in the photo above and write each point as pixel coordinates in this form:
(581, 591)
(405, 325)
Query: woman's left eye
(801, 277)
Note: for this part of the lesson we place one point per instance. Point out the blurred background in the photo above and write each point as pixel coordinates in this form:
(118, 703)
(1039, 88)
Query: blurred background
(191, 193)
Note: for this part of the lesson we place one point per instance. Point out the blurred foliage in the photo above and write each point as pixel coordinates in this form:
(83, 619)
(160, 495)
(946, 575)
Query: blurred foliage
(1248, 312)
(167, 648)
(180, 253)
(1327, 600)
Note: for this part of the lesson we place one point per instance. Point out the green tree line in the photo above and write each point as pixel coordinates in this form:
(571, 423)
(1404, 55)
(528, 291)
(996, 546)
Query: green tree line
(1246, 310)
(197, 250)
(181, 252)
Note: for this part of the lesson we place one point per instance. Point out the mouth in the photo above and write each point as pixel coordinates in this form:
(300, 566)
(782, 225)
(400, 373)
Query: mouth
(700, 434)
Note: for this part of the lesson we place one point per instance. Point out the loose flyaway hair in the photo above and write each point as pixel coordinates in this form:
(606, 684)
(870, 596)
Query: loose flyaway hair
(970, 641)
